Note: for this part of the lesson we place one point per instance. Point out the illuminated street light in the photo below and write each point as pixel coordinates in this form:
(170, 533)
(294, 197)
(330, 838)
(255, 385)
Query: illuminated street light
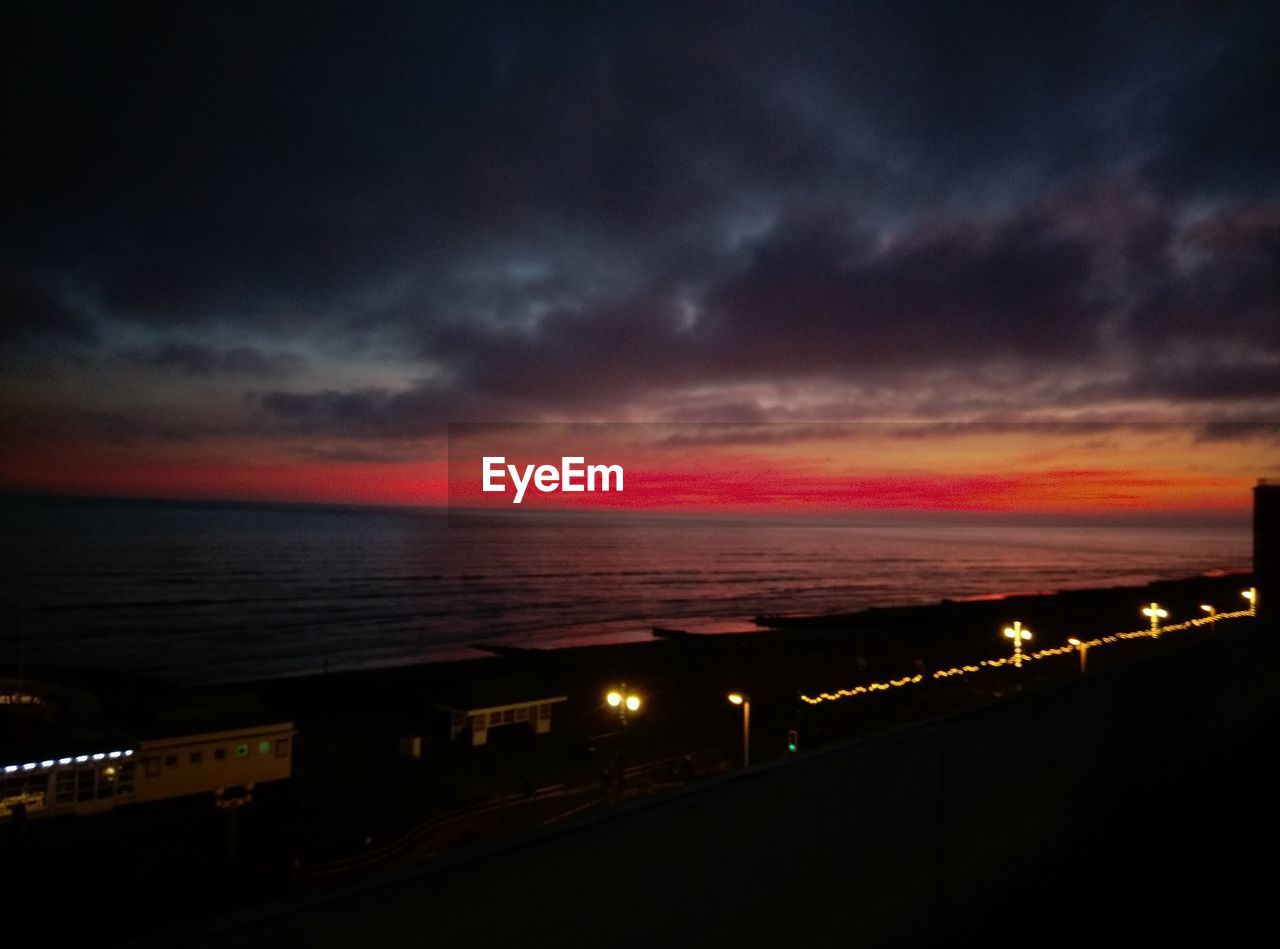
(624, 701)
(1251, 595)
(1019, 636)
(1213, 615)
(1155, 612)
(739, 698)
(1083, 649)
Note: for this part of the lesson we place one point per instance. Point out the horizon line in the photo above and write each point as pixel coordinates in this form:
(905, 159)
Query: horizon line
(883, 517)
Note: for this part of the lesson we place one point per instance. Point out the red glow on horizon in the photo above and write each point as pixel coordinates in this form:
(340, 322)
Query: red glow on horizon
(404, 484)
(703, 492)
(731, 480)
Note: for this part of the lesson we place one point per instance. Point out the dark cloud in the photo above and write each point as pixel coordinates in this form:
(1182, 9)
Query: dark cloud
(740, 412)
(819, 295)
(1231, 431)
(1093, 434)
(830, 299)
(1218, 284)
(1219, 130)
(33, 313)
(361, 413)
(77, 423)
(763, 433)
(202, 360)
(375, 455)
(1002, 313)
(1208, 382)
(595, 210)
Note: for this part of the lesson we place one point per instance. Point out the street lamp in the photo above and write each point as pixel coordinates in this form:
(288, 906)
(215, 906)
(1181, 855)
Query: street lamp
(1083, 649)
(624, 701)
(1155, 612)
(1018, 635)
(1213, 615)
(1251, 595)
(629, 703)
(739, 698)
(231, 803)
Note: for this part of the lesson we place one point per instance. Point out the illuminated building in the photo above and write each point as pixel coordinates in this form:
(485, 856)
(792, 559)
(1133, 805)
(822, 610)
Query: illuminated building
(485, 706)
(62, 754)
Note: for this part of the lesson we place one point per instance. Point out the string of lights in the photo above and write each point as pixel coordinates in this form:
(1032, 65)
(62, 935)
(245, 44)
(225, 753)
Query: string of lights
(1021, 658)
(48, 763)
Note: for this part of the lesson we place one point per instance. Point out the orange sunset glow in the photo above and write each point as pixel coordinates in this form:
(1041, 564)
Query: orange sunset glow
(710, 469)
(870, 468)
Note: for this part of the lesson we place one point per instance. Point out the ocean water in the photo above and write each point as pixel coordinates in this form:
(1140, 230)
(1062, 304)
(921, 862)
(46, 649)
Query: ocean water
(204, 592)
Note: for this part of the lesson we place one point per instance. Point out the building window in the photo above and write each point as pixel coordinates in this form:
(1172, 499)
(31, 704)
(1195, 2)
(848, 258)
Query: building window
(170, 761)
(544, 712)
(219, 754)
(522, 715)
(264, 747)
(197, 757)
(478, 723)
(495, 718)
(106, 782)
(242, 751)
(282, 747)
(65, 787)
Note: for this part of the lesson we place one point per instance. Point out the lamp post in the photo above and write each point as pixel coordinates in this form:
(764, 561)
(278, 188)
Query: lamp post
(1213, 615)
(1083, 649)
(231, 803)
(1251, 595)
(624, 702)
(1155, 612)
(1019, 636)
(740, 698)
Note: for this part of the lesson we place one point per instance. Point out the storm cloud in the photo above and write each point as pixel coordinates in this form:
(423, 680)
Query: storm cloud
(363, 221)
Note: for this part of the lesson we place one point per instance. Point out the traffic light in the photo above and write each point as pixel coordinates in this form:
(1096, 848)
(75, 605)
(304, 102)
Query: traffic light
(793, 741)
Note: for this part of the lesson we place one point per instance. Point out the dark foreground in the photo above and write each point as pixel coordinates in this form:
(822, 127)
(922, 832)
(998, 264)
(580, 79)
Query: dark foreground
(1015, 804)
(1134, 802)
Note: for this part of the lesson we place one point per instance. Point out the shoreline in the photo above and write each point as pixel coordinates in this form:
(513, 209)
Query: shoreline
(871, 626)
(209, 600)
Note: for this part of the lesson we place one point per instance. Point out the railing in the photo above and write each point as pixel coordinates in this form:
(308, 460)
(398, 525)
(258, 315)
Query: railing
(1020, 659)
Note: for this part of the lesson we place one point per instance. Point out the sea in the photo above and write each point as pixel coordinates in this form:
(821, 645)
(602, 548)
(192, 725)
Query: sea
(215, 592)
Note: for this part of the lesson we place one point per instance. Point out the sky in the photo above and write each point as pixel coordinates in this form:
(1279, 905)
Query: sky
(271, 251)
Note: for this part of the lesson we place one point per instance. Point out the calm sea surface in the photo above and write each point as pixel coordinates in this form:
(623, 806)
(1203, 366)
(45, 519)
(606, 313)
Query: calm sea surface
(220, 592)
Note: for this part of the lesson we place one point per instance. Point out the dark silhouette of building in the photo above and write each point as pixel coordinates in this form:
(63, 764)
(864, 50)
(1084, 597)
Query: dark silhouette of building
(1266, 545)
